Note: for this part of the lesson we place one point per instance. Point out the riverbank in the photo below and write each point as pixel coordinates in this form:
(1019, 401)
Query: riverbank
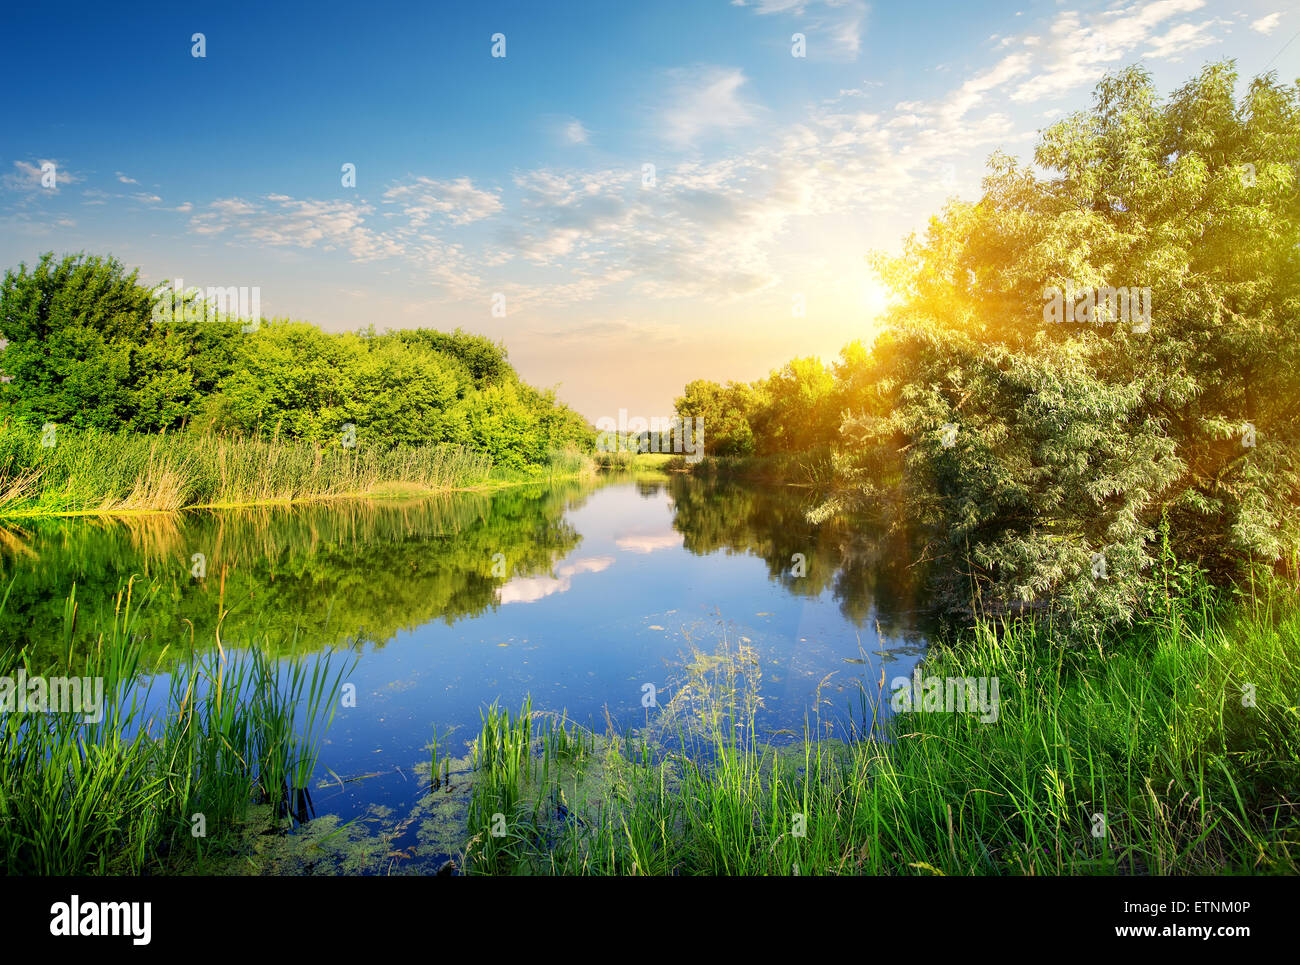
(794, 469)
(1172, 747)
(88, 473)
(627, 461)
(93, 783)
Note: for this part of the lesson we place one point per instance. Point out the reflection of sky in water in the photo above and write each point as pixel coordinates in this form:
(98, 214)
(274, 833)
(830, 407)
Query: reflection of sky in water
(530, 589)
(648, 542)
(622, 610)
(621, 607)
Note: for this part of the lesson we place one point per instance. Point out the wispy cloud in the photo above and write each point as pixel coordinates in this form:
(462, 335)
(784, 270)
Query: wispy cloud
(703, 101)
(1182, 39)
(281, 221)
(1077, 52)
(834, 28)
(575, 133)
(721, 222)
(971, 94)
(29, 177)
(458, 201)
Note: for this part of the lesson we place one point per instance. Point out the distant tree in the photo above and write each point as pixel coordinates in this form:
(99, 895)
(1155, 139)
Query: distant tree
(797, 408)
(725, 412)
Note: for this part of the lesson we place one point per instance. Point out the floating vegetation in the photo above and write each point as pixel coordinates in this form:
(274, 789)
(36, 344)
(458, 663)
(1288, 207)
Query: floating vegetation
(1176, 773)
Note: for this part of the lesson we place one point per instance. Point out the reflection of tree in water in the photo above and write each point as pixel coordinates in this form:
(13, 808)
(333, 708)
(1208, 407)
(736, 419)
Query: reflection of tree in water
(335, 572)
(649, 488)
(872, 573)
(360, 572)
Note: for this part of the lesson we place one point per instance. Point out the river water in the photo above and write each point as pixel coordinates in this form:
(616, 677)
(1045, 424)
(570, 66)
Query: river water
(597, 599)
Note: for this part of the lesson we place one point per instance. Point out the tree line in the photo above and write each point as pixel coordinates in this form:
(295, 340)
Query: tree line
(86, 349)
(1061, 462)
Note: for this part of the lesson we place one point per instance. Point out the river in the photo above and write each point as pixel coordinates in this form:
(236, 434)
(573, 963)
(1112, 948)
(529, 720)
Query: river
(600, 600)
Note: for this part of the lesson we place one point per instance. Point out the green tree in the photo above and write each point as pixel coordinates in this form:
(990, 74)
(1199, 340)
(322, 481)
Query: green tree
(87, 350)
(725, 412)
(84, 349)
(798, 408)
(1038, 453)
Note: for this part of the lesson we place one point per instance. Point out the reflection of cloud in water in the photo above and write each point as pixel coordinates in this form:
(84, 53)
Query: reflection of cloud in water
(530, 589)
(648, 542)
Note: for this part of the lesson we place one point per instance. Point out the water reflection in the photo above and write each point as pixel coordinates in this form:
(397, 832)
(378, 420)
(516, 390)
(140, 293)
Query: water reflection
(319, 574)
(585, 596)
(360, 573)
(530, 589)
(871, 573)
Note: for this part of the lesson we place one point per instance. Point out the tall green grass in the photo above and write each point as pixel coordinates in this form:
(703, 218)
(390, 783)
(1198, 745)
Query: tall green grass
(130, 793)
(623, 460)
(101, 472)
(1173, 749)
(568, 463)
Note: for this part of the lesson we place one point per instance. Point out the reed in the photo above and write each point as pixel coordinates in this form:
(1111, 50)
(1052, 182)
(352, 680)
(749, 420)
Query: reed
(570, 463)
(1174, 749)
(93, 472)
(131, 792)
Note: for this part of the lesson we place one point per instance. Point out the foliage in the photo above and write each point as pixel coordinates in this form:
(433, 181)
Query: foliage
(86, 351)
(1037, 457)
(725, 412)
(117, 795)
(1072, 441)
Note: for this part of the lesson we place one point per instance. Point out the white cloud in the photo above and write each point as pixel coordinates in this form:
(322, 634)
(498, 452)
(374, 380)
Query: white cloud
(281, 221)
(459, 201)
(717, 231)
(727, 226)
(1181, 39)
(1077, 54)
(27, 177)
(834, 28)
(971, 94)
(1266, 25)
(703, 231)
(575, 133)
(705, 100)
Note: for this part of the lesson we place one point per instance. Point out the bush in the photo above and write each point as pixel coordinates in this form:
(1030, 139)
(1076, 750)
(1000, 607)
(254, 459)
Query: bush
(86, 352)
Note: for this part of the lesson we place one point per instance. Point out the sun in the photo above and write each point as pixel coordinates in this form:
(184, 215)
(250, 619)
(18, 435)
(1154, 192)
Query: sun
(874, 296)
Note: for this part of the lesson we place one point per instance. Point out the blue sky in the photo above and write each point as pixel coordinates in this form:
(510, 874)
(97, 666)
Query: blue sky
(524, 175)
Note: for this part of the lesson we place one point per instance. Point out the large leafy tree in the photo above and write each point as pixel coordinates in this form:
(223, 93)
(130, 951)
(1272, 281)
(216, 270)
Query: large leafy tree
(1042, 457)
(85, 350)
(799, 409)
(725, 410)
